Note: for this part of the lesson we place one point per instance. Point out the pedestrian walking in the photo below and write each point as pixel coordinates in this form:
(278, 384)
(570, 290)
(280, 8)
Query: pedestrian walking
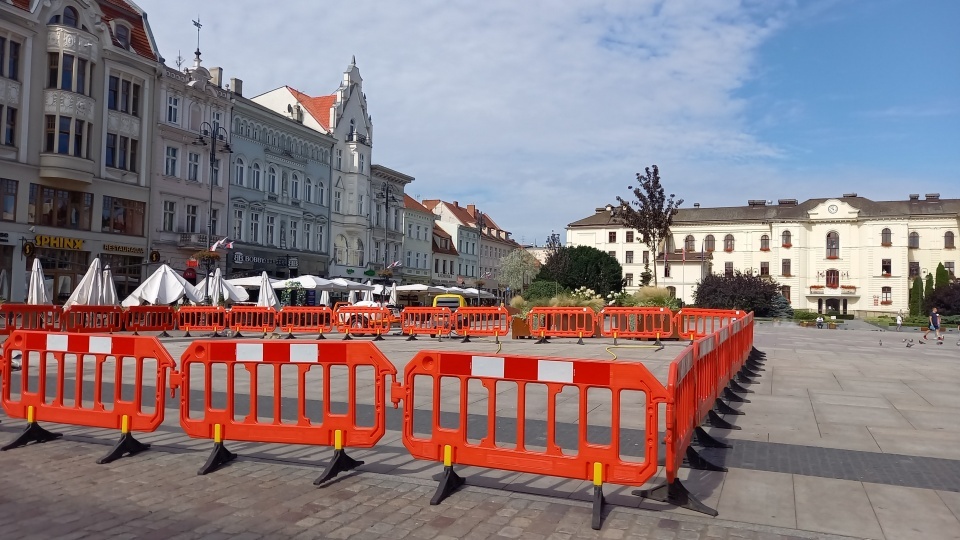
(899, 321)
(934, 320)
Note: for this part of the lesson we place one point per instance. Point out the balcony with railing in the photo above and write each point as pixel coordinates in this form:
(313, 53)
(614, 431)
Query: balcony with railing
(197, 240)
(358, 138)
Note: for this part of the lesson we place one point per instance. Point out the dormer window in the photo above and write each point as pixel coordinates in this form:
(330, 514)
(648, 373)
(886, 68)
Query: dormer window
(122, 34)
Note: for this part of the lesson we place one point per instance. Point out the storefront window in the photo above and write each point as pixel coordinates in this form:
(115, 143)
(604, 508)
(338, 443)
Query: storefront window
(122, 216)
(6, 271)
(60, 208)
(126, 271)
(62, 269)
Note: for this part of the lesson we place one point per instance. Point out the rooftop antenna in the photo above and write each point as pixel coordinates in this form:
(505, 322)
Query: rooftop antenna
(198, 25)
(180, 59)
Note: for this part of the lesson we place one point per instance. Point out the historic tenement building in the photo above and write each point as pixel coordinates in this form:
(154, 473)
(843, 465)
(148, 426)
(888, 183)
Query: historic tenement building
(77, 92)
(848, 254)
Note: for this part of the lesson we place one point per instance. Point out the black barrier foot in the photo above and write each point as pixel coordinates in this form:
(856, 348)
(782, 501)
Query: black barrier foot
(341, 463)
(164, 334)
(466, 339)
(321, 336)
(580, 341)
(218, 458)
(32, 434)
(543, 339)
(346, 337)
(126, 445)
(754, 367)
(706, 440)
(450, 482)
(378, 338)
(737, 388)
(290, 336)
(694, 460)
(729, 395)
(744, 378)
(598, 502)
(186, 333)
(749, 372)
(714, 420)
(677, 495)
(723, 408)
(412, 338)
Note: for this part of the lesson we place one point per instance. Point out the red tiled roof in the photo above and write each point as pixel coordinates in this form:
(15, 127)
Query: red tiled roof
(412, 204)
(22, 4)
(318, 107)
(439, 232)
(139, 38)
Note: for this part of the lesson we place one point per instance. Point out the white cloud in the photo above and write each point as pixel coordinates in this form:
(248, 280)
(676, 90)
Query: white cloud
(535, 111)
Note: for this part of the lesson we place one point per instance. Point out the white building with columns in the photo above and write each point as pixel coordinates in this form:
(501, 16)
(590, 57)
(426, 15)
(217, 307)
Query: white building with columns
(849, 253)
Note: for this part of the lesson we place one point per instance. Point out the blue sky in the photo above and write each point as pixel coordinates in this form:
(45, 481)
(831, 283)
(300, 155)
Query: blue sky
(540, 111)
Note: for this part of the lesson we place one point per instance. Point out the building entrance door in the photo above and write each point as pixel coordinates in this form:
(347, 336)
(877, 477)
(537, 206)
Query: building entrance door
(833, 304)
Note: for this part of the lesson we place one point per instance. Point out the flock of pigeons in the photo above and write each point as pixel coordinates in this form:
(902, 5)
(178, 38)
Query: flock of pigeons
(909, 342)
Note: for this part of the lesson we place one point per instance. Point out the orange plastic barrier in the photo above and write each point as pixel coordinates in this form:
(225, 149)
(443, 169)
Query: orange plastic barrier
(28, 317)
(548, 322)
(150, 319)
(201, 319)
(636, 322)
(695, 322)
(482, 321)
(369, 321)
(304, 319)
(92, 319)
(252, 319)
(39, 391)
(627, 384)
(432, 321)
(338, 364)
(698, 378)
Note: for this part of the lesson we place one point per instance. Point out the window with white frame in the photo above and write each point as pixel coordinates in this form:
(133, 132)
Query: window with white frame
(294, 226)
(321, 247)
(409, 253)
(123, 94)
(192, 218)
(337, 198)
(272, 180)
(268, 231)
(255, 227)
(359, 205)
(216, 172)
(320, 193)
(238, 170)
(169, 216)
(170, 161)
(237, 224)
(9, 58)
(173, 109)
(307, 238)
(255, 177)
(214, 220)
(193, 166)
(339, 159)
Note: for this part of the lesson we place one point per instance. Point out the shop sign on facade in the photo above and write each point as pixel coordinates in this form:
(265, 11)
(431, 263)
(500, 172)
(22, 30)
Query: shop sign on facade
(240, 258)
(124, 249)
(61, 242)
(4, 237)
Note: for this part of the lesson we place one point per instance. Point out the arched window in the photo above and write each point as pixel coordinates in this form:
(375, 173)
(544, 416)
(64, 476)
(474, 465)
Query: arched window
(886, 237)
(728, 242)
(340, 249)
(320, 193)
(914, 240)
(238, 171)
(948, 240)
(255, 181)
(833, 278)
(308, 191)
(359, 253)
(123, 36)
(709, 243)
(786, 239)
(272, 180)
(70, 17)
(765, 243)
(833, 245)
(295, 187)
(689, 244)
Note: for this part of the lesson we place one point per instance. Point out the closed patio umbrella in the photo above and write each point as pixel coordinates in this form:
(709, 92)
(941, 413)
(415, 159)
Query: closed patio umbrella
(268, 297)
(89, 291)
(37, 289)
(109, 293)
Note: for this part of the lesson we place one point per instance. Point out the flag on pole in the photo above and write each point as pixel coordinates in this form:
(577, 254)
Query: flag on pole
(222, 243)
(394, 264)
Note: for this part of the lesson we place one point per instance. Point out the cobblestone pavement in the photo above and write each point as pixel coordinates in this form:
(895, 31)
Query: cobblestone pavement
(56, 490)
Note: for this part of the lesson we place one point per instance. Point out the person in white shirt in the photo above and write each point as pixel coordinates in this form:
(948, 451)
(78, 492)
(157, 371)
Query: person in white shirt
(899, 321)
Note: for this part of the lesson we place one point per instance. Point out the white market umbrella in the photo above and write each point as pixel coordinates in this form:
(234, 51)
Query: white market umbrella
(306, 281)
(393, 296)
(368, 294)
(252, 281)
(37, 289)
(417, 288)
(348, 285)
(4, 285)
(109, 292)
(324, 298)
(268, 297)
(352, 297)
(163, 287)
(221, 290)
(473, 292)
(90, 289)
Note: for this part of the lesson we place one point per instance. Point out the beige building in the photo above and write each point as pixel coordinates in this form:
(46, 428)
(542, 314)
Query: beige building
(847, 253)
(418, 263)
(77, 91)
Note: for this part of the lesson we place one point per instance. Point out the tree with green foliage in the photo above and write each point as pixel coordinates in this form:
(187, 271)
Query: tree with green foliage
(780, 308)
(646, 276)
(946, 299)
(542, 289)
(583, 266)
(651, 213)
(942, 277)
(927, 288)
(518, 268)
(916, 297)
(742, 291)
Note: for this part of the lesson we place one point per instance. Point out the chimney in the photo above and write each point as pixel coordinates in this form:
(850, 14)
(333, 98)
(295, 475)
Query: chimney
(216, 76)
(472, 209)
(932, 196)
(456, 204)
(757, 202)
(846, 195)
(914, 196)
(237, 86)
(696, 205)
(787, 202)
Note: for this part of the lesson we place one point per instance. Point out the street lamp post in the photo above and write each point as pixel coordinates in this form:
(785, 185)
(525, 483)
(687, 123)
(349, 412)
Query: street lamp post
(384, 194)
(216, 132)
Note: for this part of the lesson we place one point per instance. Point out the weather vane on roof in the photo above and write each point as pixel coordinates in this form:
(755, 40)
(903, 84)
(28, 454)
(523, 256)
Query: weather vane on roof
(198, 25)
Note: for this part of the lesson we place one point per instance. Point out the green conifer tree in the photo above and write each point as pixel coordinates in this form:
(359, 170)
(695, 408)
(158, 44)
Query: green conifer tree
(943, 277)
(916, 297)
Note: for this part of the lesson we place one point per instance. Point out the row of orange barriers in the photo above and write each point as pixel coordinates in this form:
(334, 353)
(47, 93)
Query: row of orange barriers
(627, 322)
(256, 408)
